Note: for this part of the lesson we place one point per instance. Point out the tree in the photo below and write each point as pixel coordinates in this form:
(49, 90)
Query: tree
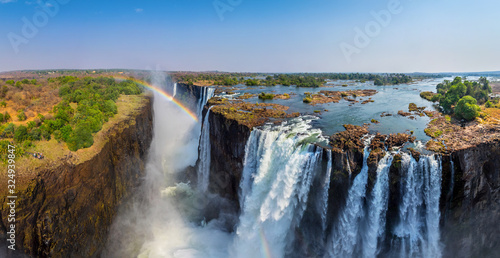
(21, 133)
(35, 134)
(81, 137)
(9, 130)
(66, 132)
(466, 108)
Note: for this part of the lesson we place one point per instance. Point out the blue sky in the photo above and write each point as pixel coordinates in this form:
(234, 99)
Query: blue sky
(252, 35)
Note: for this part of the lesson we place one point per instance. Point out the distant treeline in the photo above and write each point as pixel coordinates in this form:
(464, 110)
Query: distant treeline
(297, 79)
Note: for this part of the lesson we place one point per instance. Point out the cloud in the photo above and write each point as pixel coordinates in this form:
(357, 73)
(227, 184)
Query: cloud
(7, 1)
(137, 10)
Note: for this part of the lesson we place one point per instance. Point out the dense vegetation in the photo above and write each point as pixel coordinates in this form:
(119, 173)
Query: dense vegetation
(461, 97)
(85, 105)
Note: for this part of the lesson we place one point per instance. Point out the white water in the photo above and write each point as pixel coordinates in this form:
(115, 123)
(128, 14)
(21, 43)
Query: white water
(175, 90)
(378, 207)
(421, 188)
(204, 164)
(348, 165)
(206, 94)
(345, 234)
(326, 187)
(275, 187)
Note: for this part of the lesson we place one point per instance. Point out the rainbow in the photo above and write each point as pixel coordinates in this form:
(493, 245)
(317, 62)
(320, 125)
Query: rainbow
(267, 251)
(162, 93)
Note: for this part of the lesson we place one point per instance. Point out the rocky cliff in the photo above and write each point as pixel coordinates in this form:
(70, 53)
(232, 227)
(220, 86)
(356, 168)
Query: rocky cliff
(66, 208)
(228, 139)
(472, 202)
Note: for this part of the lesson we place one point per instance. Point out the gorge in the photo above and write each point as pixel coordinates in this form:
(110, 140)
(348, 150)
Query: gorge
(280, 190)
(169, 185)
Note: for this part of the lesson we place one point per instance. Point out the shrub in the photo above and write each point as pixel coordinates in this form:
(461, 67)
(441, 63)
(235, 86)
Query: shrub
(21, 116)
(1, 118)
(11, 82)
(307, 100)
(45, 132)
(252, 82)
(9, 130)
(428, 95)
(31, 125)
(21, 133)
(6, 116)
(265, 96)
(466, 108)
(3, 104)
(488, 104)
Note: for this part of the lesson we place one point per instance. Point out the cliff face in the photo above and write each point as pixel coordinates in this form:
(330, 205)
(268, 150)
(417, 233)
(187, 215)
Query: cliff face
(228, 140)
(66, 210)
(473, 202)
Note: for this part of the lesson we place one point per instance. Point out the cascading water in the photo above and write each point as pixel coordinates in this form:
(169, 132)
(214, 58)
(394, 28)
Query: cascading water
(345, 235)
(206, 94)
(326, 188)
(418, 230)
(279, 167)
(377, 209)
(204, 164)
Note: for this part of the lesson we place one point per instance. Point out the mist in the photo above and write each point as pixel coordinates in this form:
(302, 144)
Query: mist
(164, 218)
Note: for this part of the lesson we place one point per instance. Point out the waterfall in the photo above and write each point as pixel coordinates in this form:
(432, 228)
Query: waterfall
(206, 94)
(326, 188)
(345, 235)
(418, 228)
(204, 164)
(175, 90)
(378, 207)
(279, 167)
(432, 176)
(348, 165)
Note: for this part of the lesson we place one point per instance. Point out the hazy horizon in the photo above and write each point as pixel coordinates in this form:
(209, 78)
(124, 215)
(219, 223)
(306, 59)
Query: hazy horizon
(251, 36)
